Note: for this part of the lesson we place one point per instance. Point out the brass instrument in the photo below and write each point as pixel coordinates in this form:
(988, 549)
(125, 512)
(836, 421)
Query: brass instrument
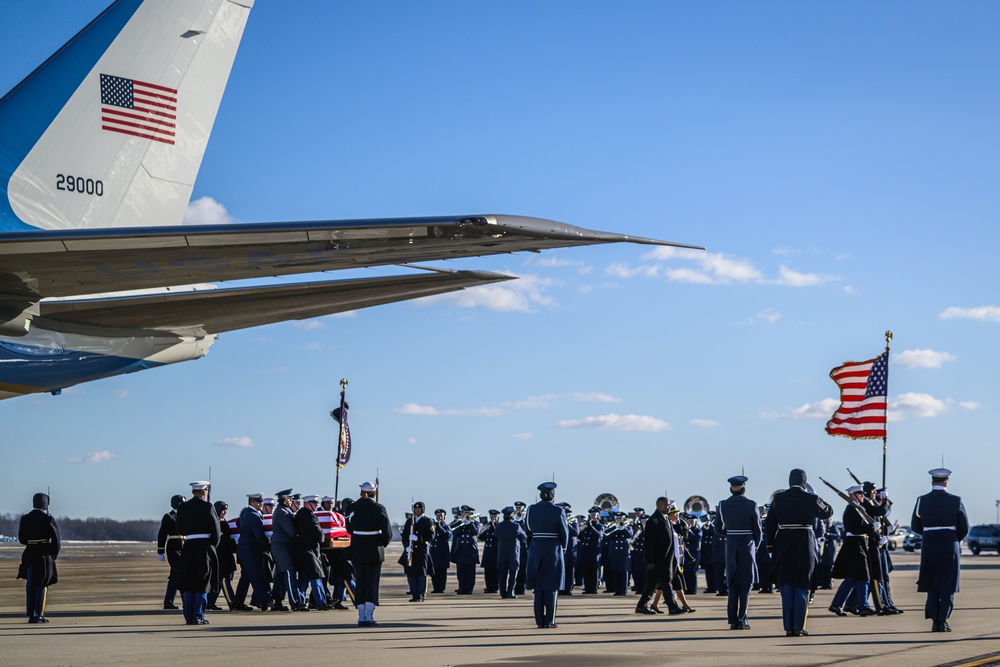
(607, 502)
(697, 506)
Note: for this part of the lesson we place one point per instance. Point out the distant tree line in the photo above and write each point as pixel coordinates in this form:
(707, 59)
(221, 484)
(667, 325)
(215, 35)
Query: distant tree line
(93, 529)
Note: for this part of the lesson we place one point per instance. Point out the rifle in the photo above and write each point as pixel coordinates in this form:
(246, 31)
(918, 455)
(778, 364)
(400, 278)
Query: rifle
(847, 499)
(858, 481)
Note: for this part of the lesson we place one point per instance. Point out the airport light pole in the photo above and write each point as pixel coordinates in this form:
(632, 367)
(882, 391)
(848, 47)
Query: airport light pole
(998, 511)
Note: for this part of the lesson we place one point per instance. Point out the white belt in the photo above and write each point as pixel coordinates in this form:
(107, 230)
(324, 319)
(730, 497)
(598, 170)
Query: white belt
(544, 535)
(853, 535)
(795, 526)
(940, 528)
(739, 532)
(368, 532)
(199, 536)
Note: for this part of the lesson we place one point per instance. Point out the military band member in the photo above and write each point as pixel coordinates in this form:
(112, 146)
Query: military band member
(283, 553)
(38, 532)
(168, 548)
(465, 551)
(637, 555)
(708, 550)
(417, 534)
(738, 520)
(616, 555)
(792, 542)
(198, 574)
(852, 561)
(519, 510)
(489, 557)
(765, 582)
(440, 552)
(588, 550)
(941, 518)
(509, 534)
(549, 537)
(226, 552)
(308, 559)
(251, 550)
(571, 550)
(692, 555)
(371, 532)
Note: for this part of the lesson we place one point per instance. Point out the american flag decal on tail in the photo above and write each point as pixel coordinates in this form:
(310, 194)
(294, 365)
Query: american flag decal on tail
(138, 108)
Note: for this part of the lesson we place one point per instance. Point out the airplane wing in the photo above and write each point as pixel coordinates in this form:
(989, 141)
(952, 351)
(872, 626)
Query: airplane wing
(58, 263)
(221, 310)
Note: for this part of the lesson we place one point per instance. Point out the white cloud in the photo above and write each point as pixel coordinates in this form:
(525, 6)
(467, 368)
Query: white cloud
(92, 457)
(708, 268)
(122, 393)
(544, 401)
(430, 411)
(241, 441)
(614, 422)
(309, 325)
(923, 358)
(411, 441)
(767, 316)
(850, 289)
(982, 313)
(314, 347)
(704, 423)
(594, 397)
(345, 314)
(206, 211)
(523, 295)
(787, 276)
(524, 436)
(913, 404)
(970, 405)
(823, 409)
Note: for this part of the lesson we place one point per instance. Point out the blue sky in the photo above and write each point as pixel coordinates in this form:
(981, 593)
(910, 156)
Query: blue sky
(838, 160)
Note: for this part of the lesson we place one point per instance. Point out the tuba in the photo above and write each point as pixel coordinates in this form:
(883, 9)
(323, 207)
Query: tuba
(696, 506)
(607, 502)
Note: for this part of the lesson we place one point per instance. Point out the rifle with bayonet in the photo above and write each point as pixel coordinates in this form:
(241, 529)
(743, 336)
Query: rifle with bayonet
(847, 499)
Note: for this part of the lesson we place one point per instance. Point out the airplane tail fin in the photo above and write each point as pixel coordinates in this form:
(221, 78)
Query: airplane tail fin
(111, 130)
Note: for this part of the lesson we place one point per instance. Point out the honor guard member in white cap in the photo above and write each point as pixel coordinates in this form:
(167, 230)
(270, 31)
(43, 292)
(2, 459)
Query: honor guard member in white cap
(440, 552)
(168, 548)
(509, 534)
(549, 538)
(792, 542)
(368, 524)
(488, 537)
(940, 517)
(519, 510)
(37, 530)
(283, 552)
(308, 564)
(250, 551)
(199, 566)
(851, 564)
(465, 551)
(738, 521)
(417, 533)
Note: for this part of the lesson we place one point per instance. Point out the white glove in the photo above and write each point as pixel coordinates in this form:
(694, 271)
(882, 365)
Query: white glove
(409, 550)
(161, 557)
(413, 538)
(882, 541)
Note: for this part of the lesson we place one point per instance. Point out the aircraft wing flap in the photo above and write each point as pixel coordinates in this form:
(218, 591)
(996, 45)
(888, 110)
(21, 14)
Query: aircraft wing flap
(221, 310)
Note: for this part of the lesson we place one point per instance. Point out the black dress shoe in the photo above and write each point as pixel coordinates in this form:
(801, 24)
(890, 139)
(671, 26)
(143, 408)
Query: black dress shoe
(801, 633)
(415, 600)
(676, 612)
(241, 607)
(213, 607)
(551, 625)
(280, 607)
(866, 612)
(944, 626)
(339, 606)
(837, 610)
(645, 610)
(721, 594)
(201, 621)
(169, 605)
(735, 626)
(789, 634)
(744, 626)
(936, 627)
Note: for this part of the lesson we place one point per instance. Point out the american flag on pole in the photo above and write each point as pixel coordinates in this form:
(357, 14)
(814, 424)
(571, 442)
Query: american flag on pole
(344, 448)
(863, 398)
(138, 108)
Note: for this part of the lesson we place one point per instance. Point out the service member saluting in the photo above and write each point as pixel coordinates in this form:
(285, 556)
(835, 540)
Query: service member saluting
(545, 569)
(368, 524)
(940, 517)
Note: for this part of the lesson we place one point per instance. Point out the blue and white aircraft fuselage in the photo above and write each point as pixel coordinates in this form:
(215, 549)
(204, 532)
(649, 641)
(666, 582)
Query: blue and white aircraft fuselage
(99, 150)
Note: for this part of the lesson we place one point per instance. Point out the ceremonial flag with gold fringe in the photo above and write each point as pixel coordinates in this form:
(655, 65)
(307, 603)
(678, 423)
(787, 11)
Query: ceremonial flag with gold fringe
(344, 449)
(863, 398)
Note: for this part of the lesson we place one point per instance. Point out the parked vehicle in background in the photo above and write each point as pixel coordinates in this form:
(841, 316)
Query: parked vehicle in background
(912, 541)
(897, 537)
(984, 537)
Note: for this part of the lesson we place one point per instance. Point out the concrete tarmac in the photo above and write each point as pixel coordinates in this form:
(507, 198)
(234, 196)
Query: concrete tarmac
(106, 610)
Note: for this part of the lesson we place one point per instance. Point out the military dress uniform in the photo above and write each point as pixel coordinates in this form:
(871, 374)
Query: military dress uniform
(637, 558)
(792, 543)
(544, 572)
(571, 549)
(37, 530)
(738, 520)
(308, 561)
(692, 559)
(465, 554)
(489, 557)
(519, 511)
(617, 561)
(831, 538)
(588, 553)
(283, 552)
(509, 535)
(370, 530)
(199, 566)
(851, 563)
(417, 534)
(168, 548)
(250, 550)
(226, 552)
(941, 518)
(708, 556)
(440, 553)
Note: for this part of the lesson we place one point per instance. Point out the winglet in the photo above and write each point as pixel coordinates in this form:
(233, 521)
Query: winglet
(554, 229)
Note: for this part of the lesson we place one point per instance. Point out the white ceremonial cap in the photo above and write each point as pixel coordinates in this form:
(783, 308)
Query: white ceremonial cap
(943, 473)
(199, 486)
(368, 487)
(269, 500)
(311, 498)
(857, 488)
(327, 498)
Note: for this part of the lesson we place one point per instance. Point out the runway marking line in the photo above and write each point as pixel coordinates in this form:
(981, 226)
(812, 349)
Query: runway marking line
(982, 661)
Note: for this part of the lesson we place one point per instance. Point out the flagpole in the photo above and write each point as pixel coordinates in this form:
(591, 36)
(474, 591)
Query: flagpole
(340, 440)
(888, 339)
